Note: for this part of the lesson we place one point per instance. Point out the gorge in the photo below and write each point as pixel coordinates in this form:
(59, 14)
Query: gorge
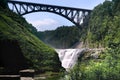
(101, 32)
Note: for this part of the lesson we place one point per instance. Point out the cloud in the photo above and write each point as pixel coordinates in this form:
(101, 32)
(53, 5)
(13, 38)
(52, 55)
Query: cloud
(45, 24)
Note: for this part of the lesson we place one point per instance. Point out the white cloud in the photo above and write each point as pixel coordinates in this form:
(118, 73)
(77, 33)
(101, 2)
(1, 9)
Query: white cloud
(45, 24)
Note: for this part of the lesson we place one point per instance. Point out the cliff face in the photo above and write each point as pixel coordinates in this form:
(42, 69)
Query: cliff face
(19, 48)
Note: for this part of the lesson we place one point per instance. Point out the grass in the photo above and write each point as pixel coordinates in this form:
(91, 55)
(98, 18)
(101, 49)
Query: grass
(14, 27)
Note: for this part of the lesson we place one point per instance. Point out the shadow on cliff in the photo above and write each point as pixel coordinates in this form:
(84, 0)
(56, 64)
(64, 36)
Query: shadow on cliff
(11, 57)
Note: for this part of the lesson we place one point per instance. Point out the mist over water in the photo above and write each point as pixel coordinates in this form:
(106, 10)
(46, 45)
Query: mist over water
(69, 57)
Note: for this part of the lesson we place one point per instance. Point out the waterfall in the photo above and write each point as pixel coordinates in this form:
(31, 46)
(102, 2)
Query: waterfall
(69, 57)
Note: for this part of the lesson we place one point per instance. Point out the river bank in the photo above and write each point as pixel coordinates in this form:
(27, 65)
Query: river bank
(48, 76)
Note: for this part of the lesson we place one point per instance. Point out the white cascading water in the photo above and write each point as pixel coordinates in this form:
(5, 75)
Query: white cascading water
(69, 57)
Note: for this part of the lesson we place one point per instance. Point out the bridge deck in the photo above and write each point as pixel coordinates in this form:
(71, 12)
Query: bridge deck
(29, 3)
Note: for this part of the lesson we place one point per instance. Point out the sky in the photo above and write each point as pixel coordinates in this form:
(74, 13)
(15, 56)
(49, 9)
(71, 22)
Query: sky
(49, 21)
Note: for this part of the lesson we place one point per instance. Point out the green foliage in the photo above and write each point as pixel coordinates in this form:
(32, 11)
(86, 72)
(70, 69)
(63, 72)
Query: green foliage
(103, 27)
(62, 37)
(41, 56)
(104, 30)
(105, 69)
(116, 6)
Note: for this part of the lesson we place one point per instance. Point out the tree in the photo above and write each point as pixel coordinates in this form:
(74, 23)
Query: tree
(3, 3)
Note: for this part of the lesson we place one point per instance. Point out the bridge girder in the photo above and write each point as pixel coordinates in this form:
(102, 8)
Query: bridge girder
(75, 15)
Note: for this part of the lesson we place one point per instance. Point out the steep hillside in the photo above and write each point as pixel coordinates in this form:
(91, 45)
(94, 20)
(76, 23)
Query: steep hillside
(17, 42)
(103, 31)
(104, 25)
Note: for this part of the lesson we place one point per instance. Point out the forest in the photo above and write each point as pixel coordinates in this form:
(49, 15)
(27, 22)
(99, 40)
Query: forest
(101, 31)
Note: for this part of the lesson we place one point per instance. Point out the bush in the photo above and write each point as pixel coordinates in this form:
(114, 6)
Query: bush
(106, 69)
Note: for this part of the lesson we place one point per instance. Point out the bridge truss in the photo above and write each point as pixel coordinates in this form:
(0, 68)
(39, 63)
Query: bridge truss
(75, 15)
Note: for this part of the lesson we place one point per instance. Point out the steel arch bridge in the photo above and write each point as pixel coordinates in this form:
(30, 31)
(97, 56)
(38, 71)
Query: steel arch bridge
(75, 15)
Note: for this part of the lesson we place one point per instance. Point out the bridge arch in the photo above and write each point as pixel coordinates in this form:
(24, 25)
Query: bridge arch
(51, 12)
(75, 15)
(44, 21)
